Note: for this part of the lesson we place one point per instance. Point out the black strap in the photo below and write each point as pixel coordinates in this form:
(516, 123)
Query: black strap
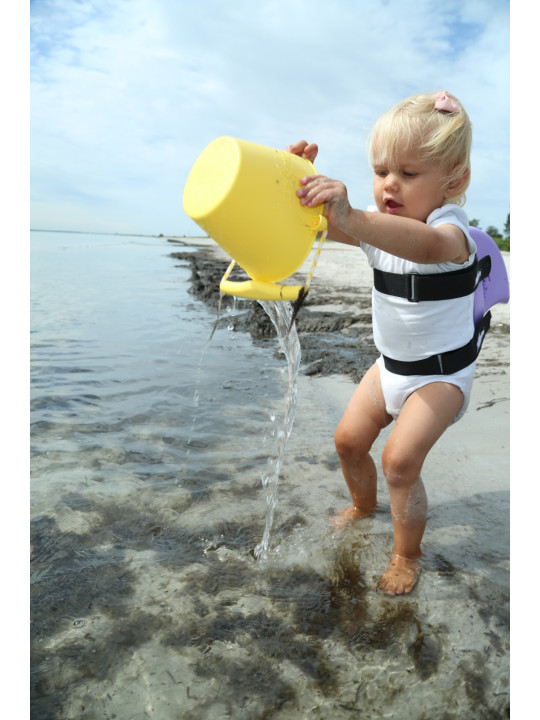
(444, 363)
(437, 286)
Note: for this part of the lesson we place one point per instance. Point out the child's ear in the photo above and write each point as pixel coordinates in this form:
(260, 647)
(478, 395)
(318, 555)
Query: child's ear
(459, 184)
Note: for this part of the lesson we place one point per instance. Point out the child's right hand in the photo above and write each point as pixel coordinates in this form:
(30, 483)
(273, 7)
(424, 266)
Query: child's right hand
(318, 190)
(304, 149)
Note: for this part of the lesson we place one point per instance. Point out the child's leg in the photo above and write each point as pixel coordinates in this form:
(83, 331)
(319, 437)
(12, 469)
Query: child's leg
(359, 427)
(424, 417)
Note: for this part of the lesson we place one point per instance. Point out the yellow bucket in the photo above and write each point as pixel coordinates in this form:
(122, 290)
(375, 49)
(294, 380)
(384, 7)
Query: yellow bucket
(244, 196)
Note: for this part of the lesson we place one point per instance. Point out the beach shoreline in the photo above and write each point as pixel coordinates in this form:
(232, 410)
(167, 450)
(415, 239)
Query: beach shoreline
(149, 463)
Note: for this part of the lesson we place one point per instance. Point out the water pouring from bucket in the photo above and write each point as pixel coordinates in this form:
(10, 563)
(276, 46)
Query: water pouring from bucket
(244, 196)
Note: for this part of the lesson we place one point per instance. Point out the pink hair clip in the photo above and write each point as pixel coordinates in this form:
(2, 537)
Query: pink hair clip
(445, 103)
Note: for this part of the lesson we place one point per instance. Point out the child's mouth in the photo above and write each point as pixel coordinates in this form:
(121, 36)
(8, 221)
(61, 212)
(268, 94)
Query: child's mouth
(392, 205)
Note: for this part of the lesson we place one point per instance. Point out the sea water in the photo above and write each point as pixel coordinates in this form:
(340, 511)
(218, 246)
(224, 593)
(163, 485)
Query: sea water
(137, 417)
(182, 565)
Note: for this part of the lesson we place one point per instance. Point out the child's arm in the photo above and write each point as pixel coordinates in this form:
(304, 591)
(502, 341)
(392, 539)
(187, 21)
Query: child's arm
(404, 237)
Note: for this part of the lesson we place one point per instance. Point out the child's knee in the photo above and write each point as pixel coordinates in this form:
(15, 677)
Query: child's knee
(349, 445)
(344, 442)
(400, 468)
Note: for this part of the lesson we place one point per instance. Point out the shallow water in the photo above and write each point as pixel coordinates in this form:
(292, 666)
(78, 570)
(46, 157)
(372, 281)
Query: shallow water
(148, 446)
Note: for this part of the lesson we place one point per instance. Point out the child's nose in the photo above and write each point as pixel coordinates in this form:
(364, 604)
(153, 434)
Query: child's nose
(391, 181)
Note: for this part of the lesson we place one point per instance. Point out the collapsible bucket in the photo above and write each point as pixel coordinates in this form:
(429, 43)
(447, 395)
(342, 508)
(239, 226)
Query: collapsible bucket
(244, 196)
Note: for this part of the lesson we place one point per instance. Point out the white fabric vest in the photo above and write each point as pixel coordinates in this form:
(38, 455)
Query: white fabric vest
(408, 331)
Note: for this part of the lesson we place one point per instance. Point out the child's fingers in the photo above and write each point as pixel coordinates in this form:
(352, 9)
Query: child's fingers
(317, 195)
(320, 190)
(310, 151)
(304, 149)
(297, 148)
(315, 190)
(309, 185)
(310, 179)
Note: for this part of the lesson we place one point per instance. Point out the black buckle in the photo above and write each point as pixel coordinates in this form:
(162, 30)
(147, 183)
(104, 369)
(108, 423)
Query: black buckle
(411, 287)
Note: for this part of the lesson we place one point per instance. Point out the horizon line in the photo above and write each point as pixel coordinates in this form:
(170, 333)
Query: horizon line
(127, 234)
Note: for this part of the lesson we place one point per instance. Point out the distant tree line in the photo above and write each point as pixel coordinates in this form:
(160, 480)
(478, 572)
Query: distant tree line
(503, 241)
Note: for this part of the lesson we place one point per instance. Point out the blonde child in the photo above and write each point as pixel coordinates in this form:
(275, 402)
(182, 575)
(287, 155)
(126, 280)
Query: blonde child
(420, 152)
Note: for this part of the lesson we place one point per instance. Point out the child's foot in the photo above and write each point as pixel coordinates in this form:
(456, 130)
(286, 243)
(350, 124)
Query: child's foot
(400, 576)
(345, 517)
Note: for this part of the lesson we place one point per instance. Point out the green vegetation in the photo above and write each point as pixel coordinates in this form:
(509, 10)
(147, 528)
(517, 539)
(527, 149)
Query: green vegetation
(502, 241)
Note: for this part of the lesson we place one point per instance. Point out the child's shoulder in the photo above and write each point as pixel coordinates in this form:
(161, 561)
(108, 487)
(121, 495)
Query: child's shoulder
(450, 213)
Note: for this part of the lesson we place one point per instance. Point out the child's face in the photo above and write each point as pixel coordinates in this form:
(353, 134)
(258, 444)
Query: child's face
(411, 189)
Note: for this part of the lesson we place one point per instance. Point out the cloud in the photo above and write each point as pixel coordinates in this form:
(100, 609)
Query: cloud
(125, 95)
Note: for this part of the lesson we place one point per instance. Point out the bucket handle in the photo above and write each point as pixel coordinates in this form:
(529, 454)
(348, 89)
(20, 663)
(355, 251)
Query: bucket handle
(258, 289)
(261, 290)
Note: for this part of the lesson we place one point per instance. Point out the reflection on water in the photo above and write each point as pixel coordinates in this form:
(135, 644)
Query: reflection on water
(148, 448)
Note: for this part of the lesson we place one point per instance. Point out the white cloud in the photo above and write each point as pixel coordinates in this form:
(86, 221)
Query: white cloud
(125, 95)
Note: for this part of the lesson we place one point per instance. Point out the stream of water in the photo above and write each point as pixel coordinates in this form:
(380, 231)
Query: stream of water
(280, 314)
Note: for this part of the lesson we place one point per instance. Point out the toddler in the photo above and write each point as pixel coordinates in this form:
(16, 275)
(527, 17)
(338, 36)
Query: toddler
(420, 152)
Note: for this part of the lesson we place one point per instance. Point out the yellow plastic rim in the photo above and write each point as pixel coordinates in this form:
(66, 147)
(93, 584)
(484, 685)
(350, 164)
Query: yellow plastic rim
(258, 290)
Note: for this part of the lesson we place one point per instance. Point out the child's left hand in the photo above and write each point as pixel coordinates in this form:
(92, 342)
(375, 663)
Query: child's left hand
(318, 189)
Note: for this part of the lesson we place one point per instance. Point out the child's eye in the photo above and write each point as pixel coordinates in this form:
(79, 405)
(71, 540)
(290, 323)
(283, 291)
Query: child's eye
(409, 174)
(381, 173)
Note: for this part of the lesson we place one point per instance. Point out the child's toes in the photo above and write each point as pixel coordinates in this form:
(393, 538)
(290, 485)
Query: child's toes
(401, 575)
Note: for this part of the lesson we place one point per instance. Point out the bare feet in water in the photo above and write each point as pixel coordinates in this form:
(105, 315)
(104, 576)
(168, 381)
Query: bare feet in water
(402, 573)
(345, 517)
(400, 576)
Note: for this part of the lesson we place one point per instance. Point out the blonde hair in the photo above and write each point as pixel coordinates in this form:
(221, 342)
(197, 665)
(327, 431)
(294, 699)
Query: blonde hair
(443, 137)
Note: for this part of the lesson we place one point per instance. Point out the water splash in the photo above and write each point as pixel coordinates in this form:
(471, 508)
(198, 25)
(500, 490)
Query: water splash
(280, 313)
(232, 311)
(282, 316)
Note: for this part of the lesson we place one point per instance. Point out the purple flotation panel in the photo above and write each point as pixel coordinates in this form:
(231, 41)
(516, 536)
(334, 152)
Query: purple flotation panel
(495, 288)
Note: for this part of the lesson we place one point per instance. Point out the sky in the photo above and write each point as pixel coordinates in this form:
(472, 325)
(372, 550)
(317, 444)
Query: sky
(125, 94)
